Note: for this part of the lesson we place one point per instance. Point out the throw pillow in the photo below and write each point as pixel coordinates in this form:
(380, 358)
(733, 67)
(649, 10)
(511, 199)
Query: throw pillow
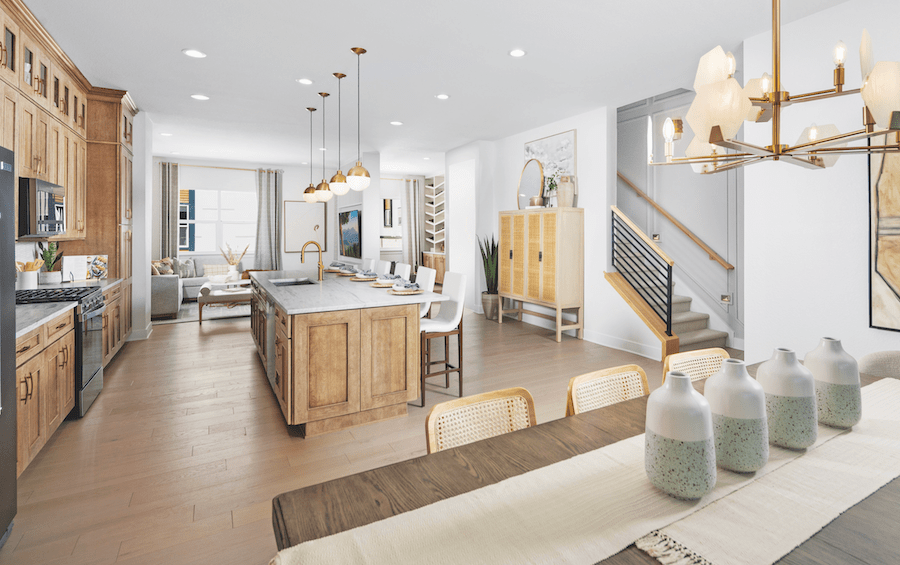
(153, 270)
(163, 266)
(186, 269)
(213, 270)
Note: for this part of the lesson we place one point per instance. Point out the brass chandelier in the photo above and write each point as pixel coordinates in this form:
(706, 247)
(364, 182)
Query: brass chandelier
(721, 106)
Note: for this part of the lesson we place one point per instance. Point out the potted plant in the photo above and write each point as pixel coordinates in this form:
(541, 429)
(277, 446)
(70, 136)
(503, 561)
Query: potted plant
(490, 300)
(51, 258)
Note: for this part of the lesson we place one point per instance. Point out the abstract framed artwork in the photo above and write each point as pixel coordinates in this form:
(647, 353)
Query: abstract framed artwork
(884, 241)
(304, 222)
(351, 233)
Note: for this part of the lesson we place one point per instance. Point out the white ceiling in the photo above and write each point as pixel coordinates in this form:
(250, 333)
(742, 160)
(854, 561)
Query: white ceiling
(581, 54)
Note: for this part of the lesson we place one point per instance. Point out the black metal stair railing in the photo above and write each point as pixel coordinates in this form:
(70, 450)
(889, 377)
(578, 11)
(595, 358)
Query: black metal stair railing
(646, 268)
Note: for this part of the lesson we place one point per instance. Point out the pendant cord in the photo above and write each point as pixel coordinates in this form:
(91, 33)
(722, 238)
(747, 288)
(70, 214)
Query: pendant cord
(323, 139)
(339, 124)
(310, 149)
(357, 108)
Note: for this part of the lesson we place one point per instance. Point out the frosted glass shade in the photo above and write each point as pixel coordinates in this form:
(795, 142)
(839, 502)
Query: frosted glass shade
(753, 89)
(713, 68)
(358, 177)
(309, 195)
(722, 104)
(866, 58)
(699, 148)
(881, 92)
(339, 188)
(826, 131)
(323, 192)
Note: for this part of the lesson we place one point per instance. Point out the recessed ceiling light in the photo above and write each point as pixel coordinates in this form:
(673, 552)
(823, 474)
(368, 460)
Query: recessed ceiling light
(304, 81)
(442, 96)
(199, 97)
(396, 123)
(166, 134)
(516, 53)
(194, 53)
(427, 158)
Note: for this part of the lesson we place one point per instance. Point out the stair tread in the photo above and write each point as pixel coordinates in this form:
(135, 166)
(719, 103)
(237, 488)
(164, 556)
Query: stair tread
(695, 336)
(676, 299)
(688, 316)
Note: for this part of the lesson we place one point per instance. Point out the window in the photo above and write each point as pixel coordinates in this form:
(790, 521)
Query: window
(208, 220)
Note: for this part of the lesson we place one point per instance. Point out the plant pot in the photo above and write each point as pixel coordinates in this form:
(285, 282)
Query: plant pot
(491, 305)
(838, 396)
(738, 405)
(790, 400)
(679, 446)
(50, 277)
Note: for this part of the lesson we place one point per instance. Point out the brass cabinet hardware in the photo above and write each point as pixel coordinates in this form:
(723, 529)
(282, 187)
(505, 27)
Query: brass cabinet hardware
(23, 350)
(62, 325)
(24, 399)
(29, 379)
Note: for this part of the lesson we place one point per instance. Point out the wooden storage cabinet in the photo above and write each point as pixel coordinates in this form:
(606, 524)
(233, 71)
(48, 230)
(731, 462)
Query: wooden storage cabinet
(542, 263)
(389, 354)
(114, 320)
(435, 261)
(9, 49)
(46, 384)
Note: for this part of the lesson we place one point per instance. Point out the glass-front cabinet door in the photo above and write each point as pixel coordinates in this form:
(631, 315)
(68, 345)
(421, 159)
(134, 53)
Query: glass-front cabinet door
(9, 49)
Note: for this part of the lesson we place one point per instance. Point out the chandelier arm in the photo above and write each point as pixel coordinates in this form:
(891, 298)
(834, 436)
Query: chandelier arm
(858, 135)
(715, 138)
(727, 158)
(851, 150)
(734, 165)
(821, 95)
(813, 163)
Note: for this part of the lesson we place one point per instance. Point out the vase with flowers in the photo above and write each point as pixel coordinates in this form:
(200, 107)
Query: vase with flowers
(232, 258)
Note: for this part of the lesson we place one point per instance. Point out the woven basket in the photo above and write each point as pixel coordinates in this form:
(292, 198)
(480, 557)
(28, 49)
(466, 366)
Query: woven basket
(363, 279)
(346, 274)
(331, 271)
(382, 285)
(405, 292)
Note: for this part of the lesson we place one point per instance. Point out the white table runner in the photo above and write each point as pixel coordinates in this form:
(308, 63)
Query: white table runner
(581, 510)
(765, 521)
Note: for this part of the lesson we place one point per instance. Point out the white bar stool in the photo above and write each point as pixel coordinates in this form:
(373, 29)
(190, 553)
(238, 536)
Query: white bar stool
(448, 322)
(425, 279)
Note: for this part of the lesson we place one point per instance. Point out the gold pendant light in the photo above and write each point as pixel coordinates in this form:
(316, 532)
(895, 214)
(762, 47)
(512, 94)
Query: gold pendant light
(323, 191)
(358, 177)
(338, 183)
(309, 194)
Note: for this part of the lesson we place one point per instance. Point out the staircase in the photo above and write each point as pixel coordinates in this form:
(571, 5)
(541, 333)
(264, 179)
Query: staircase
(643, 277)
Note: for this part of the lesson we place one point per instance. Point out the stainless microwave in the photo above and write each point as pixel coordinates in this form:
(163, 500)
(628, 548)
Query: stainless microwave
(42, 208)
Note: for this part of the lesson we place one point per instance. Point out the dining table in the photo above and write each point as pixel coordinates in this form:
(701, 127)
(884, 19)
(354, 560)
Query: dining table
(864, 534)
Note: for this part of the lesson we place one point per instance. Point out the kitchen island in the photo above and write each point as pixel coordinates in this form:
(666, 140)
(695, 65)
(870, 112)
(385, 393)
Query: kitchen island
(337, 353)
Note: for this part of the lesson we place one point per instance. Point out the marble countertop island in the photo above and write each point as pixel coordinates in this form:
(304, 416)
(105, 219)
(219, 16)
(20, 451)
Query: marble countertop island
(332, 294)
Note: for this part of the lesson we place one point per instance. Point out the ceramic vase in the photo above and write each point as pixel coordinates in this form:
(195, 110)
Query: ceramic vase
(565, 192)
(838, 396)
(49, 277)
(233, 274)
(679, 447)
(738, 406)
(790, 400)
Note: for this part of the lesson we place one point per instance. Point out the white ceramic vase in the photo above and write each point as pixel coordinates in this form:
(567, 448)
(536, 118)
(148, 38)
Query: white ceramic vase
(565, 192)
(790, 400)
(738, 406)
(233, 274)
(838, 396)
(679, 447)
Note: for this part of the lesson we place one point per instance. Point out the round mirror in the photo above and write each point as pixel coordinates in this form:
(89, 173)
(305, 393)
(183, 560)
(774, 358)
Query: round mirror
(531, 182)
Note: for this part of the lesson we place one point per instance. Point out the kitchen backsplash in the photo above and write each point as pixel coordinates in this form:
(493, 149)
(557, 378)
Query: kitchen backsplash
(26, 252)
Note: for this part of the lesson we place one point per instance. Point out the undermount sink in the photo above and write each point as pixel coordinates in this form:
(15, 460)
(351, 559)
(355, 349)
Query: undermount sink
(291, 282)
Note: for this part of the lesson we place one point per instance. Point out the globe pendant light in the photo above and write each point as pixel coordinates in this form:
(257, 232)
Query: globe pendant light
(338, 182)
(309, 194)
(358, 176)
(323, 191)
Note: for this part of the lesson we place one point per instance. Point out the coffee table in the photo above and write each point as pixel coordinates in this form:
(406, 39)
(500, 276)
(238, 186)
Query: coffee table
(236, 294)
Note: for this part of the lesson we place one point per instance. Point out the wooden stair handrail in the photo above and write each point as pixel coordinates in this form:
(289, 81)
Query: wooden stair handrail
(643, 236)
(713, 256)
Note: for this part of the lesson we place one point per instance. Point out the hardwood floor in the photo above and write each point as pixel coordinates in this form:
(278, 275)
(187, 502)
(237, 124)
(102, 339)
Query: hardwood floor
(179, 458)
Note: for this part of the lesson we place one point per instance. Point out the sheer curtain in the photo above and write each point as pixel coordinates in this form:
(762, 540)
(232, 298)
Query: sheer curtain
(168, 245)
(268, 222)
(412, 220)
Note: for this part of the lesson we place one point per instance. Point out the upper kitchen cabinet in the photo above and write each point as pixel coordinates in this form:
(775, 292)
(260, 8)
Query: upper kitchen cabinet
(33, 72)
(127, 123)
(9, 48)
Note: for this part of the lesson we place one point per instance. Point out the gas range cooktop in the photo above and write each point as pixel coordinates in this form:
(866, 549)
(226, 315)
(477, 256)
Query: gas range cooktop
(53, 295)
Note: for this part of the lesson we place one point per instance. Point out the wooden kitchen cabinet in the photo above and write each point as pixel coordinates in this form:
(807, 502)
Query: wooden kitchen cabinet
(113, 329)
(26, 156)
(46, 384)
(389, 356)
(435, 261)
(126, 310)
(283, 376)
(9, 48)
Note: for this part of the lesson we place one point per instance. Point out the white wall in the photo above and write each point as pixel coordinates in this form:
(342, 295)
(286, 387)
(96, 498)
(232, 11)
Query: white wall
(806, 232)
(608, 319)
(142, 202)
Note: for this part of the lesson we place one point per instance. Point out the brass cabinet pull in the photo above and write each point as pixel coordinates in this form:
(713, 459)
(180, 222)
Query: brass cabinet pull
(23, 350)
(62, 325)
(65, 354)
(24, 399)
(29, 379)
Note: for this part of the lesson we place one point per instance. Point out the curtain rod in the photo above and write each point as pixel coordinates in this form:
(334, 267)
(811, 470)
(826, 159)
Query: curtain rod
(223, 168)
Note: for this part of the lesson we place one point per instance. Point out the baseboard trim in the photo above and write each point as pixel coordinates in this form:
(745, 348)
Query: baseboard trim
(648, 350)
(140, 335)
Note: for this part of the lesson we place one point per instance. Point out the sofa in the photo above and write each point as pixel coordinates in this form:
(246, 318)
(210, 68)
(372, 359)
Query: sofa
(204, 266)
(166, 294)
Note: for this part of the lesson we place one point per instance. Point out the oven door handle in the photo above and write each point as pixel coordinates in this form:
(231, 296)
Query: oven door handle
(94, 313)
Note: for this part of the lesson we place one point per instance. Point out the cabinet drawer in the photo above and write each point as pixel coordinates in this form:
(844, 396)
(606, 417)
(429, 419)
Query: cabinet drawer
(283, 322)
(30, 344)
(111, 294)
(60, 326)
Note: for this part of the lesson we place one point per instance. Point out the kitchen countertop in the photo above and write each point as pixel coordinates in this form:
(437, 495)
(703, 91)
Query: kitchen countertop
(31, 316)
(334, 293)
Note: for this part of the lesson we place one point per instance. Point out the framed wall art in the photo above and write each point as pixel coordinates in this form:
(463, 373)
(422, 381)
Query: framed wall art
(884, 241)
